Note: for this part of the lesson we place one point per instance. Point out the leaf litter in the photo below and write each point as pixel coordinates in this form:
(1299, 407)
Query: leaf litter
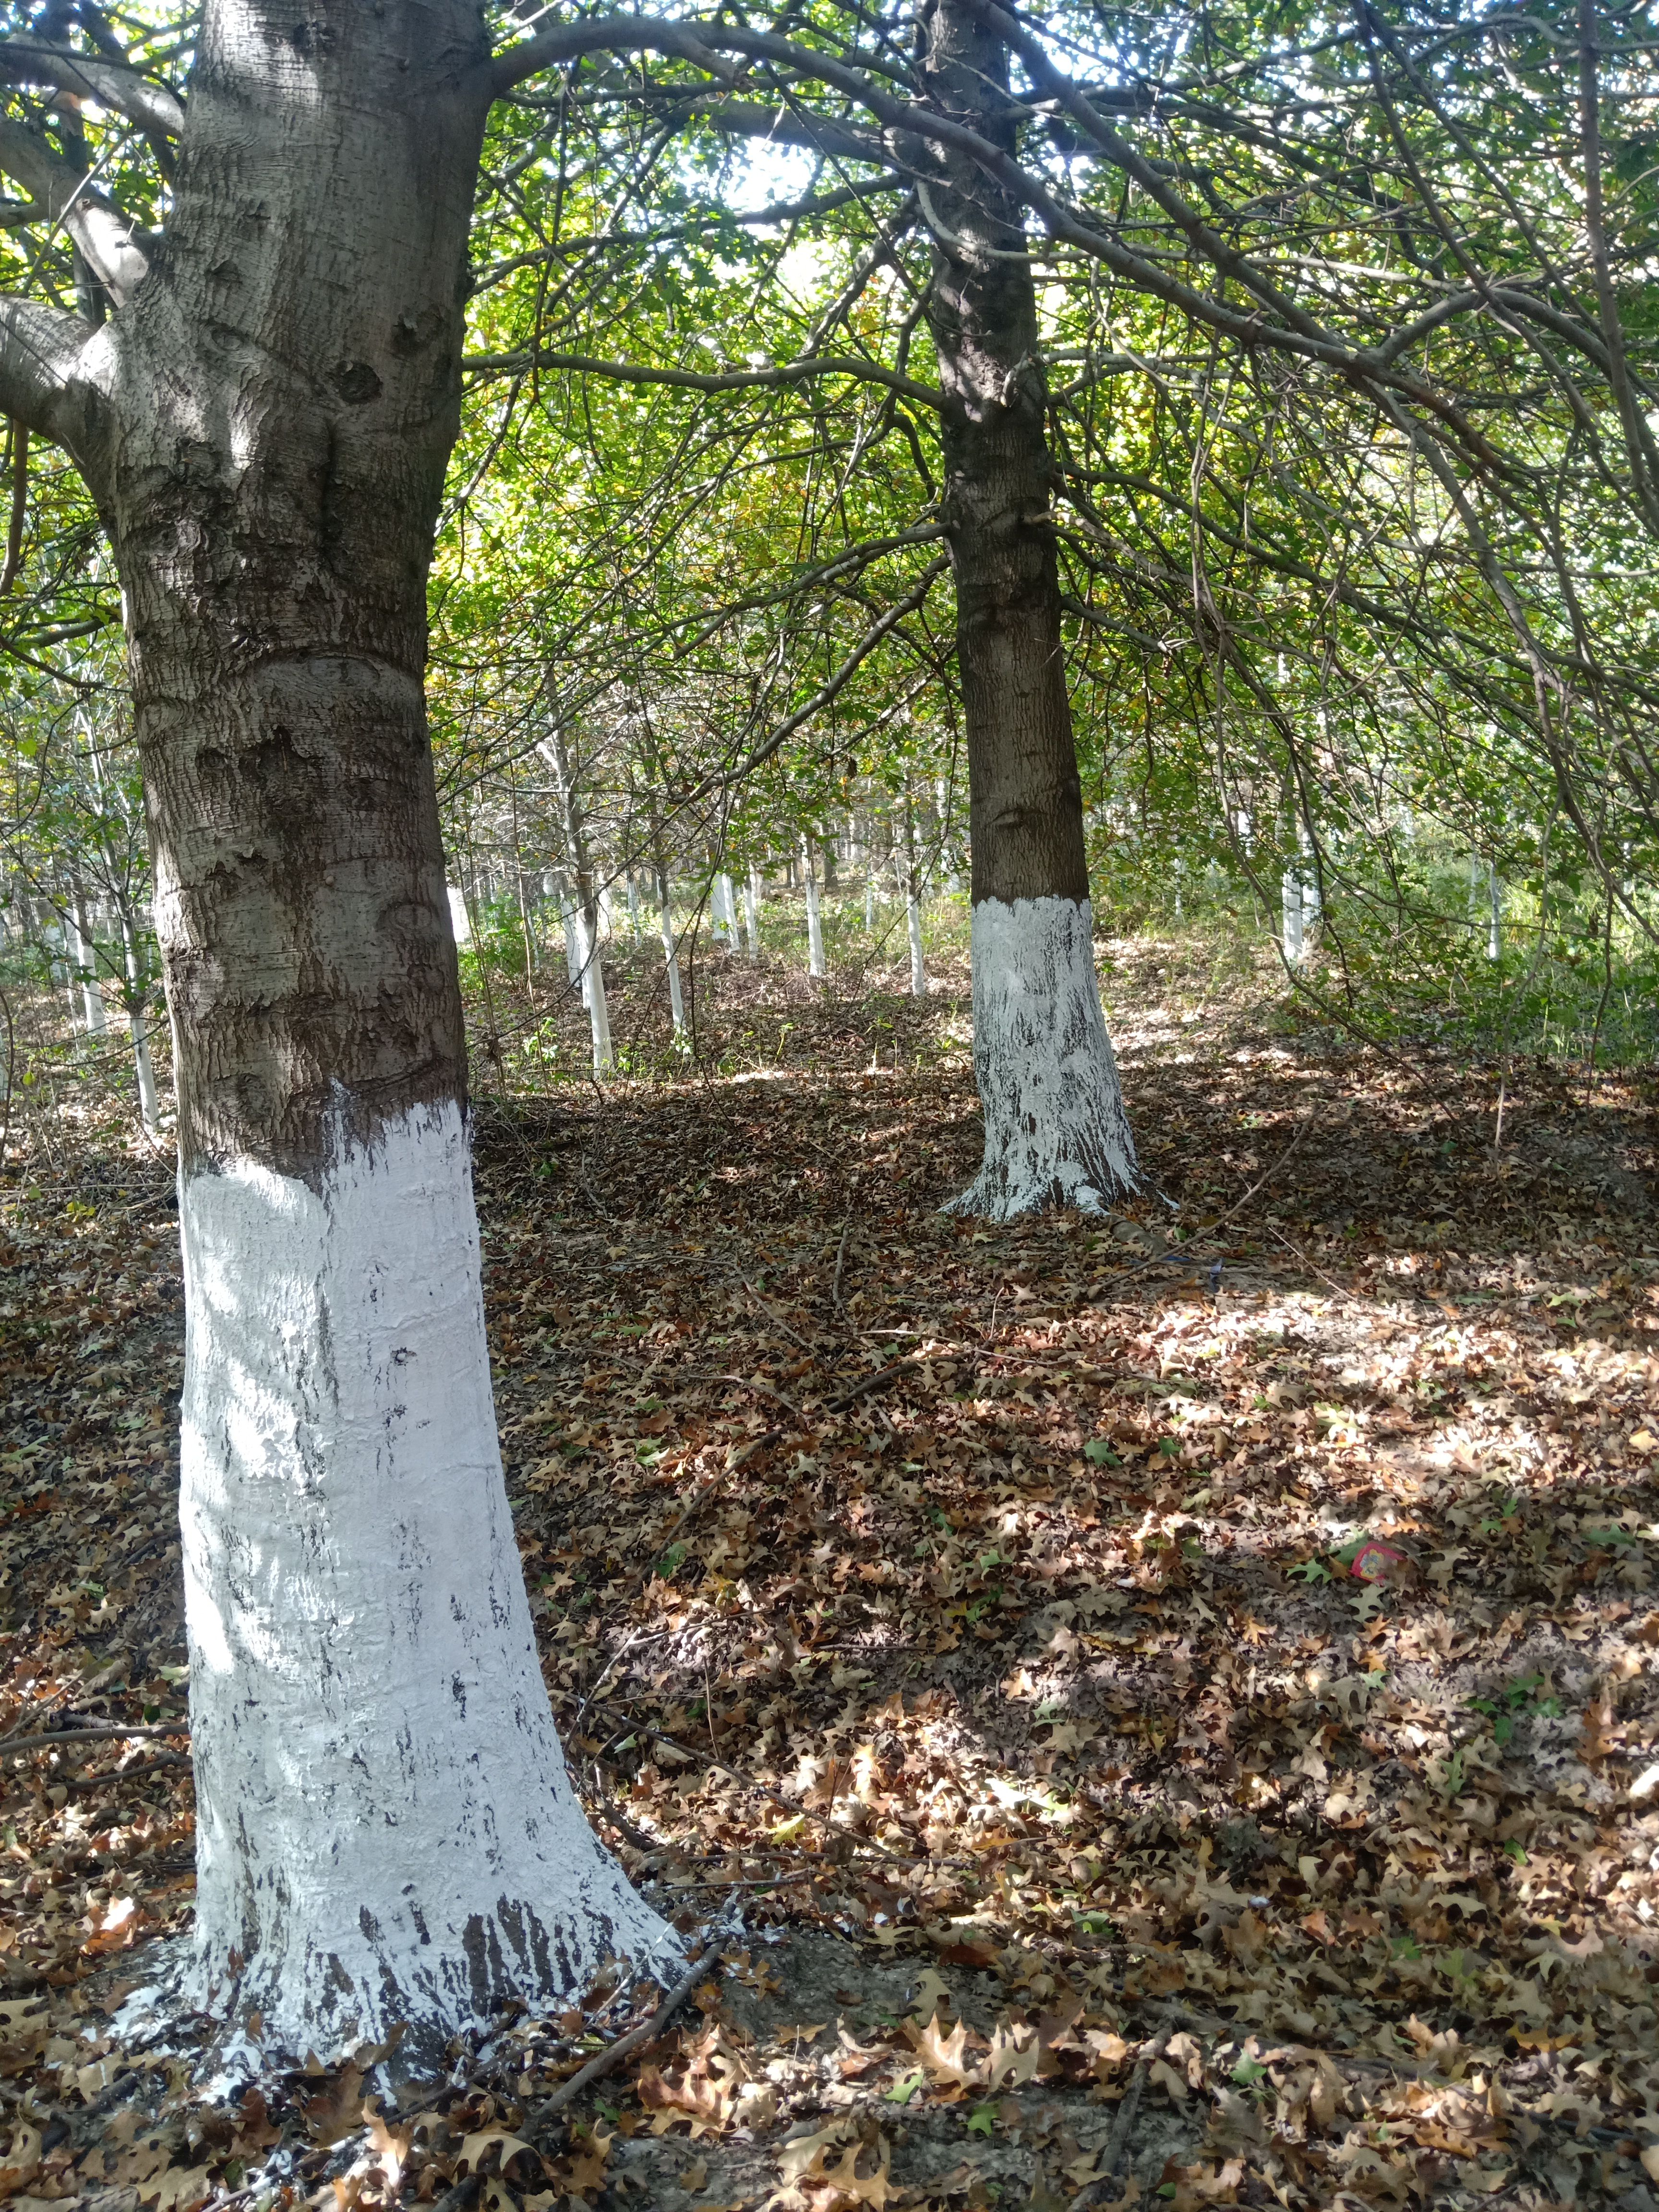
(1166, 1703)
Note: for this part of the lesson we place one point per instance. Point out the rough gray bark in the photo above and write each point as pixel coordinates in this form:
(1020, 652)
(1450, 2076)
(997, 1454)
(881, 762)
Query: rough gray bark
(1025, 799)
(1055, 1131)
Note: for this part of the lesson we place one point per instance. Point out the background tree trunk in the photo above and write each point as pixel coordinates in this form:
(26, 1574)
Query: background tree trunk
(1055, 1125)
(385, 1830)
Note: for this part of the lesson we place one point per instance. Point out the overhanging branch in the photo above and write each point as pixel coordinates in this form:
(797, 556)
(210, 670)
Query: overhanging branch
(152, 106)
(737, 379)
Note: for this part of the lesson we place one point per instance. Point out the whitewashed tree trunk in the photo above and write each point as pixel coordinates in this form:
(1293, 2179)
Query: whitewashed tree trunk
(814, 918)
(1495, 913)
(751, 907)
(1056, 1131)
(670, 956)
(633, 909)
(724, 901)
(1300, 906)
(870, 900)
(384, 1829)
(384, 1826)
(591, 965)
(149, 1112)
(913, 901)
(1291, 934)
(1055, 1125)
(86, 962)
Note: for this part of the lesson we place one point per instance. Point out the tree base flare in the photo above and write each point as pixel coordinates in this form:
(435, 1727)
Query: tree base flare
(1055, 1130)
(386, 1831)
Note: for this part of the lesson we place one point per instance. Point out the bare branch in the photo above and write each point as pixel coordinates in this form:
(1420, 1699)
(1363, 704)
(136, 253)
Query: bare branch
(40, 351)
(152, 106)
(736, 380)
(117, 251)
(565, 42)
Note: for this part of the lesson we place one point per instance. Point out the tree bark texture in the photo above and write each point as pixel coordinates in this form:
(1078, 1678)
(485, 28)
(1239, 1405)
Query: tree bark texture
(1055, 1130)
(384, 1828)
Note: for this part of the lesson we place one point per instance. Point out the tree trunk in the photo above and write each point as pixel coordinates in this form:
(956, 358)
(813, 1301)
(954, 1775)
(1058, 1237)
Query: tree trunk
(385, 1828)
(586, 963)
(86, 959)
(751, 907)
(814, 916)
(913, 901)
(1055, 1125)
(149, 1112)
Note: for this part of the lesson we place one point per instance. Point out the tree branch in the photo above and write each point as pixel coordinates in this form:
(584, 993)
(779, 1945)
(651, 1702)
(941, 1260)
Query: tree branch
(821, 698)
(566, 42)
(39, 353)
(152, 106)
(736, 380)
(116, 249)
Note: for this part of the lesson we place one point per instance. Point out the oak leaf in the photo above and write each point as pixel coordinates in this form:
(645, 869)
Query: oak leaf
(945, 2057)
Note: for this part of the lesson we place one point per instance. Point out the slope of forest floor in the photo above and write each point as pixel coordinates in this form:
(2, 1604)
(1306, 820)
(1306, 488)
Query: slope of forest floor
(1167, 1725)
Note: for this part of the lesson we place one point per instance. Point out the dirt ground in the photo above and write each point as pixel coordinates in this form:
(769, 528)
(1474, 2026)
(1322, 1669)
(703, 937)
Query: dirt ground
(1165, 1705)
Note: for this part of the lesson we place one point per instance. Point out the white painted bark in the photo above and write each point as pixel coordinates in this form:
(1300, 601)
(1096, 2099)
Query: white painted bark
(633, 909)
(1495, 915)
(384, 1825)
(814, 917)
(751, 907)
(1291, 935)
(149, 1108)
(92, 998)
(459, 921)
(593, 980)
(671, 957)
(870, 902)
(727, 911)
(1055, 1130)
(918, 965)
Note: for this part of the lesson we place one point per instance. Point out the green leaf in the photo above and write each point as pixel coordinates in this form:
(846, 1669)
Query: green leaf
(1101, 1453)
(983, 2120)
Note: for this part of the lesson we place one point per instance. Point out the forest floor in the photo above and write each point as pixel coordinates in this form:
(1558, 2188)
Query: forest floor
(1167, 1723)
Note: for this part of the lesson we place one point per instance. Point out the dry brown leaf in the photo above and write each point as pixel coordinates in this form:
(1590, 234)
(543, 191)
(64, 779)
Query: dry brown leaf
(476, 2148)
(21, 2161)
(337, 2111)
(710, 2092)
(1013, 2060)
(822, 2169)
(945, 2057)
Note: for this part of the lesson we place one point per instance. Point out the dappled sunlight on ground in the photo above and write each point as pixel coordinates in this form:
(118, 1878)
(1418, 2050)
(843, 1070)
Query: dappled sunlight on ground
(1171, 1696)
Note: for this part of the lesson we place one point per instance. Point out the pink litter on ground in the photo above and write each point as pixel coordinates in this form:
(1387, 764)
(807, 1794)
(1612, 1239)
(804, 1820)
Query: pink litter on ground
(1372, 1561)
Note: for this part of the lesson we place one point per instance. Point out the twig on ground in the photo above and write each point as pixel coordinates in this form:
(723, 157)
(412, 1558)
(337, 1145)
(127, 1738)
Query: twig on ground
(99, 1734)
(878, 1381)
(841, 1249)
(760, 1389)
(606, 2061)
(114, 1776)
(1124, 2127)
(776, 1318)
